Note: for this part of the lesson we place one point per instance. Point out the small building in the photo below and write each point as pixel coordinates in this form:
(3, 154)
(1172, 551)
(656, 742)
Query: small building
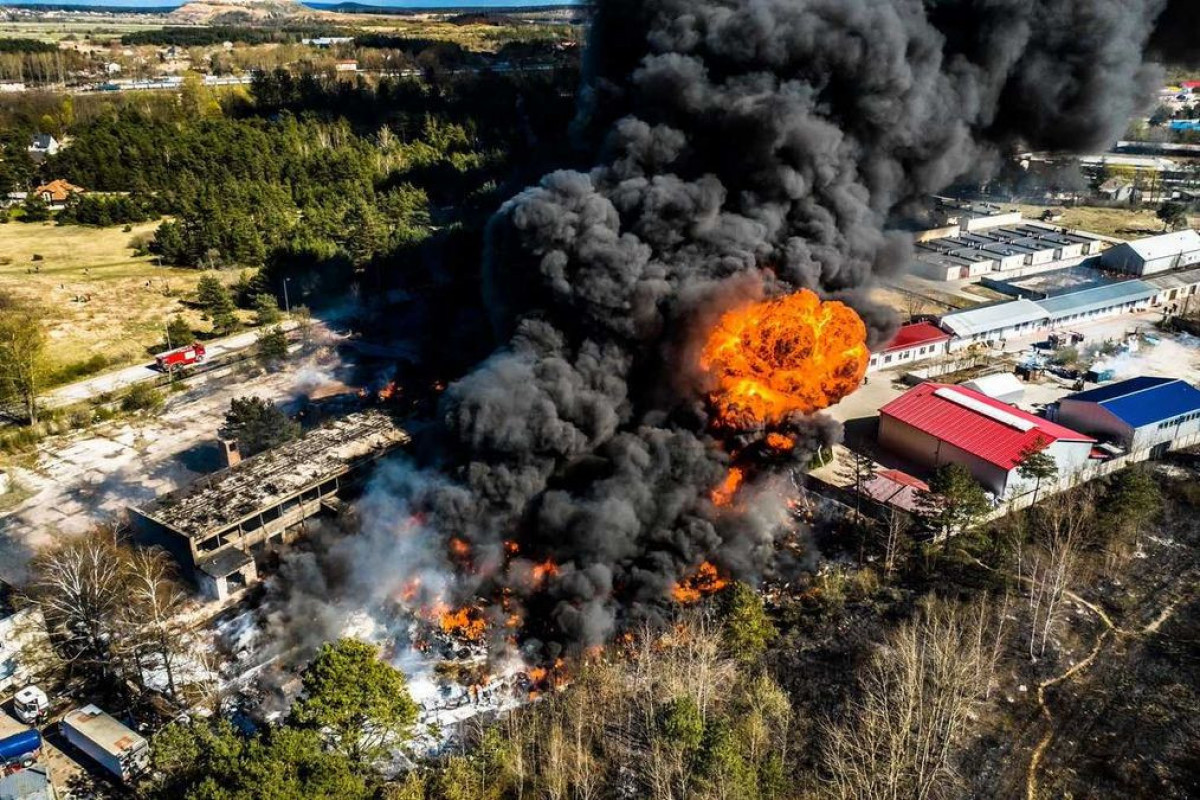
(346, 66)
(42, 145)
(917, 341)
(994, 322)
(56, 193)
(32, 783)
(11, 87)
(1116, 190)
(217, 526)
(933, 424)
(1155, 254)
(1003, 386)
(1143, 415)
(112, 68)
(896, 489)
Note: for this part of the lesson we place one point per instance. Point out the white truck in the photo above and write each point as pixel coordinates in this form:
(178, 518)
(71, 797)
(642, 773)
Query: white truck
(121, 751)
(30, 705)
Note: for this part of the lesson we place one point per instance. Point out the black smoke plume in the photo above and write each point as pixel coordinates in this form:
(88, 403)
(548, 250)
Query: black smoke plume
(743, 149)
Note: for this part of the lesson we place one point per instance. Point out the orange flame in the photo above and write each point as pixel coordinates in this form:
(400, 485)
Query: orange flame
(459, 548)
(777, 441)
(722, 496)
(466, 623)
(537, 674)
(706, 581)
(388, 391)
(789, 354)
(544, 570)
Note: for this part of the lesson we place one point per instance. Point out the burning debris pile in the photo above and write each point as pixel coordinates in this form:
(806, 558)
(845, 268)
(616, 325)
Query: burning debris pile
(677, 316)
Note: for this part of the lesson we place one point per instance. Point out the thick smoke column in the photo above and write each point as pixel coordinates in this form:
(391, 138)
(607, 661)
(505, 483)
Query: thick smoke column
(746, 149)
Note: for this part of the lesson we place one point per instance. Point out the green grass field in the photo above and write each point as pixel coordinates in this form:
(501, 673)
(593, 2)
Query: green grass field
(130, 296)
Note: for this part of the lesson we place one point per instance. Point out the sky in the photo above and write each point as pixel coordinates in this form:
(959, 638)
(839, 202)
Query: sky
(388, 3)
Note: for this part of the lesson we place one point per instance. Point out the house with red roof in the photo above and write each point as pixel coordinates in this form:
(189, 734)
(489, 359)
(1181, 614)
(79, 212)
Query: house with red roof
(914, 342)
(935, 424)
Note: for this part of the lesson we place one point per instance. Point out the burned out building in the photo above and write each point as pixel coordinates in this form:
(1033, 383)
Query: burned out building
(216, 527)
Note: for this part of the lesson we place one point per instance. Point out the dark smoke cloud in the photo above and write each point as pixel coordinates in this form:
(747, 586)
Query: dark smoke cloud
(745, 148)
(1176, 39)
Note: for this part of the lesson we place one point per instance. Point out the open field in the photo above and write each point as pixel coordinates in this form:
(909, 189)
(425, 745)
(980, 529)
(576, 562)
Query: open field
(1123, 223)
(124, 317)
(53, 31)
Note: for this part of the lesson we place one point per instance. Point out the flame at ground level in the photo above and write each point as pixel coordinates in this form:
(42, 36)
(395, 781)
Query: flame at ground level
(706, 581)
(794, 353)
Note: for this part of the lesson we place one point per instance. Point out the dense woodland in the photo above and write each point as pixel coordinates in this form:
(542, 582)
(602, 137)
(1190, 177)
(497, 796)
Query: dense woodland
(344, 188)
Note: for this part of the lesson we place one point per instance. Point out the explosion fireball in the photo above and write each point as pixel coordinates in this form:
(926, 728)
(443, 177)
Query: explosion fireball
(794, 353)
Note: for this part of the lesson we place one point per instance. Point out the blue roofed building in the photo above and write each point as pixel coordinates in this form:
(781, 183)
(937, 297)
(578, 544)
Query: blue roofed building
(1140, 414)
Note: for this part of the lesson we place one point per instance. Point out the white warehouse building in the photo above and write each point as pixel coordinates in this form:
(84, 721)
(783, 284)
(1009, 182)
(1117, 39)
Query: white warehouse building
(1155, 254)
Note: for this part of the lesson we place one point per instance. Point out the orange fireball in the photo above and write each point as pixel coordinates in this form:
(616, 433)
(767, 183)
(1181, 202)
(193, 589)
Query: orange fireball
(794, 353)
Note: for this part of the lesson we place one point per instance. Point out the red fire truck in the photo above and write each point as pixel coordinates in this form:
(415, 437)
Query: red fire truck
(180, 357)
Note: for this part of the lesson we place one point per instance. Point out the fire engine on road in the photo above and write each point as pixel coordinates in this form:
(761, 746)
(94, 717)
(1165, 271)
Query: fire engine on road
(180, 357)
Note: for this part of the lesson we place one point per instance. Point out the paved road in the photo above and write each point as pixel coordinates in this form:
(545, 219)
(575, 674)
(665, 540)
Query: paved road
(121, 378)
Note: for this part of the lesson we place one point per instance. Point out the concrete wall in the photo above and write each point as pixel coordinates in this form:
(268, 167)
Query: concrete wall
(149, 532)
(1150, 436)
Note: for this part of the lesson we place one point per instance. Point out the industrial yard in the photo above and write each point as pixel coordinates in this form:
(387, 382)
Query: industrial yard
(680, 400)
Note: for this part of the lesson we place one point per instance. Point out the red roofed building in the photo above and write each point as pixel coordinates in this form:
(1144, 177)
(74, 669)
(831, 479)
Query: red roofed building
(935, 424)
(914, 342)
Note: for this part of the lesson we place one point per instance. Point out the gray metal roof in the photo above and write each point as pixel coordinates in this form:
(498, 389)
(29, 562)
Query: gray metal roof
(27, 784)
(1096, 299)
(985, 319)
(1168, 244)
(1175, 280)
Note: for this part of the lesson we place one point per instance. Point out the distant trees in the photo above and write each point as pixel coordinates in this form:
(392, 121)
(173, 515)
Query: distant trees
(22, 348)
(258, 425)
(214, 298)
(1172, 215)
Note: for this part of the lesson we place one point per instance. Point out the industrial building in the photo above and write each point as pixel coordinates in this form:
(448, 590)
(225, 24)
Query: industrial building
(934, 424)
(215, 527)
(917, 341)
(998, 322)
(993, 322)
(1177, 289)
(1142, 415)
(1017, 249)
(1154, 254)
(1085, 305)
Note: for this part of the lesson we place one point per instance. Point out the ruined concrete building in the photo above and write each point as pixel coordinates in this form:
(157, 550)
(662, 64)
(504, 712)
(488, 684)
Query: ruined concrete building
(216, 527)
